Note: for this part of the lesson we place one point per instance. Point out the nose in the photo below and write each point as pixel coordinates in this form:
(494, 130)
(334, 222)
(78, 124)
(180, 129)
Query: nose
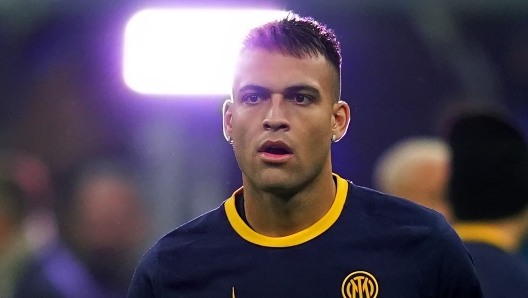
(276, 115)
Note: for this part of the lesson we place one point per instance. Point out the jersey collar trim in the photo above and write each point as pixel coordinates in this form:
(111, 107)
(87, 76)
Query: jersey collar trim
(295, 239)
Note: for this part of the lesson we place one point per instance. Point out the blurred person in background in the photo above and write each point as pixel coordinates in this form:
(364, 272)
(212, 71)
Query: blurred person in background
(45, 267)
(416, 169)
(106, 224)
(15, 251)
(28, 190)
(33, 176)
(488, 191)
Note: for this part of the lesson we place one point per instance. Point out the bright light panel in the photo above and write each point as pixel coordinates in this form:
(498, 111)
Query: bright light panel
(186, 51)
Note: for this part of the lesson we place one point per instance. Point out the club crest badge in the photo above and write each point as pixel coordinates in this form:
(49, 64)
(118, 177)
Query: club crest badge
(360, 284)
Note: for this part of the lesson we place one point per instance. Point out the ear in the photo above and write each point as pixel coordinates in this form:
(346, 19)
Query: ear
(340, 119)
(227, 117)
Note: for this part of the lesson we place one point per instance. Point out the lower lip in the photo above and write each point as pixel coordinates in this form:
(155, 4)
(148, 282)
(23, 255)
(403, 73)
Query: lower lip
(274, 158)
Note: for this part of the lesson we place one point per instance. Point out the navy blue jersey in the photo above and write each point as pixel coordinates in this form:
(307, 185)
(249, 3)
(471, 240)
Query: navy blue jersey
(502, 272)
(368, 245)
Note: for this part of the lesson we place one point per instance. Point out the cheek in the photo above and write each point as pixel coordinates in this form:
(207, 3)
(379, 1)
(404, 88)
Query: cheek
(316, 140)
(319, 144)
(242, 126)
(238, 130)
(317, 129)
(241, 134)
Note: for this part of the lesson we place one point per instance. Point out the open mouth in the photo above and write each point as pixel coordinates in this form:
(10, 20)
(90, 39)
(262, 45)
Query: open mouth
(275, 148)
(275, 152)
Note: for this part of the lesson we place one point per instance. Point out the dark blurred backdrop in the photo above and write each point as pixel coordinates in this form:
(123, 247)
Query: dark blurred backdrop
(62, 97)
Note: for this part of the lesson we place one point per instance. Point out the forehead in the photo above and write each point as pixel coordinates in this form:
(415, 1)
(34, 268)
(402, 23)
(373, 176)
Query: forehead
(275, 70)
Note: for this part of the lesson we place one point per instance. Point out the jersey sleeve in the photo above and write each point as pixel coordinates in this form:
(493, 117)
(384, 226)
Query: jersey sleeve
(142, 284)
(457, 276)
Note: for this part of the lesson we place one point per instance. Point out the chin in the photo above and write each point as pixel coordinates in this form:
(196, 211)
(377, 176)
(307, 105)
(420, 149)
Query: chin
(278, 184)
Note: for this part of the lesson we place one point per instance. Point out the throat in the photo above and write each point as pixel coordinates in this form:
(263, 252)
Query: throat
(239, 205)
(279, 217)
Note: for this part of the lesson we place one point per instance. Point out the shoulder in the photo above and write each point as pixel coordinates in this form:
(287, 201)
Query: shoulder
(446, 266)
(389, 210)
(198, 231)
(411, 225)
(174, 250)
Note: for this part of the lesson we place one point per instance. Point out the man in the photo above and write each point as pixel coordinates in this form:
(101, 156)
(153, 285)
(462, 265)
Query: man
(107, 224)
(416, 169)
(489, 195)
(295, 229)
(15, 251)
(26, 226)
(26, 197)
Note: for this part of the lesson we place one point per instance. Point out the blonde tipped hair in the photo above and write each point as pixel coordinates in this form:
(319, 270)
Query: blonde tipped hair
(391, 166)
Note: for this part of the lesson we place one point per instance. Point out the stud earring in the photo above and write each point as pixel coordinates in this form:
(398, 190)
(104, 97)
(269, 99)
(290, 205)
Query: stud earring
(334, 138)
(229, 140)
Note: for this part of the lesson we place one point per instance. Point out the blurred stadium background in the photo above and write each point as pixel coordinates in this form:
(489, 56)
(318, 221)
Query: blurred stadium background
(63, 98)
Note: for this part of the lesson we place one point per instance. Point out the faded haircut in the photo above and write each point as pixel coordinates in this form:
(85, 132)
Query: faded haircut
(299, 37)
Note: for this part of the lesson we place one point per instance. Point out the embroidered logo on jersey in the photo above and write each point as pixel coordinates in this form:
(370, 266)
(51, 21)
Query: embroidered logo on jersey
(360, 284)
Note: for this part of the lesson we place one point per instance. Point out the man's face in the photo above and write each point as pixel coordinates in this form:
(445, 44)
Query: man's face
(282, 118)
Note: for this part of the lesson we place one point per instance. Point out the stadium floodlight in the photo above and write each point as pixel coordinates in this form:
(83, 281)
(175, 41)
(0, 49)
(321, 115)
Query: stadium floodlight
(186, 51)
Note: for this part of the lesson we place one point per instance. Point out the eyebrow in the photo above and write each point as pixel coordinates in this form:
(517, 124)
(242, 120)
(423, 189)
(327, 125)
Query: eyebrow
(298, 88)
(290, 89)
(254, 88)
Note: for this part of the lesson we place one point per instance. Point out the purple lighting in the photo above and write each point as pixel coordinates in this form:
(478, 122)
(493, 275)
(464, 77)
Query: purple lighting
(186, 51)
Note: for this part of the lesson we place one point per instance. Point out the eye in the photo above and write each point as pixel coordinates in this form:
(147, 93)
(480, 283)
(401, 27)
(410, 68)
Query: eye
(252, 98)
(301, 99)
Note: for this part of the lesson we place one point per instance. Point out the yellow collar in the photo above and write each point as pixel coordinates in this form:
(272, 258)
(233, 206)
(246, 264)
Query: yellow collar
(485, 233)
(303, 236)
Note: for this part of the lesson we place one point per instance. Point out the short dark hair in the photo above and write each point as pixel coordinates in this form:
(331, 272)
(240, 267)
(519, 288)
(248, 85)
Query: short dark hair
(489, 178)
(297, 36)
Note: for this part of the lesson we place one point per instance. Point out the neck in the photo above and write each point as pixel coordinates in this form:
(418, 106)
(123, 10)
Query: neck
(276, 215)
